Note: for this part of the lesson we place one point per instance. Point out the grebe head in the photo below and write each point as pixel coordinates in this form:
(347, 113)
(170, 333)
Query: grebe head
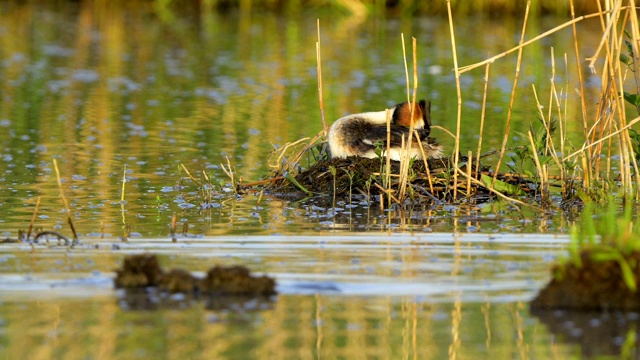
(421, 119)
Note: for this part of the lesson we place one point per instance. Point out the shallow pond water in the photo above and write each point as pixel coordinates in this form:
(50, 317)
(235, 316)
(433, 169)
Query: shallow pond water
(371, 294)
(134, 92)
(367, 295)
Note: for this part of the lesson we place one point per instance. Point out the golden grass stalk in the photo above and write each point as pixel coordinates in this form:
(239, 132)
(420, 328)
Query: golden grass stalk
(174, 222)
(469, 166)
(65, 202)
(64, 199)
(406, 148)
(33, 219)
(388, 159)
(283, 164)
(583, 106)
(464, 69)
(426, 163)
(482, 116)
(124, 182)
(456, 71)
(230, 173)
(507, 127)
(196, 181)
(542, 174)
(319, 61)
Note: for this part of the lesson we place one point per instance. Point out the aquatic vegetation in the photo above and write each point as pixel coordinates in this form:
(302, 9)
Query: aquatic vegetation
(603, 267)
(602, 270)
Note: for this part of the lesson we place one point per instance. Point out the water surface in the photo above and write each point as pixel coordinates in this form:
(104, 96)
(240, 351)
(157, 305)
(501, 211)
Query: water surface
(127, 91)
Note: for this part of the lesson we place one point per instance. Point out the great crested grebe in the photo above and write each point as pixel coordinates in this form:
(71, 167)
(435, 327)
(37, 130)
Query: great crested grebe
(361, 134)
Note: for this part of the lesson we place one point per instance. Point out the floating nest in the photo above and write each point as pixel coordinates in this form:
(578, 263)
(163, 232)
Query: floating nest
(147, 284)
(594, 284)
(341, 180)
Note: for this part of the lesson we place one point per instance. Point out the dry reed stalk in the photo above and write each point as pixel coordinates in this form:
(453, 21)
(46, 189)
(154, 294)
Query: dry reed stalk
(174, 221)
(496, 192)
(635, 38)
(605, 36)
(609, 124)
(624, 142)
(469, 166)
(604, 119)
(124, 181)
(601, 140)
(388, 159)
(456, 71)
(426, 163)
(615, 68)
(259, 199)
(196, 181)
(549, 146)
(556, 99)
(507, 128)
(541, 171)
(319, 61)
(64, 199)
(288, 165)
(406, 151)
(207, 189)
(65, 202)
(33, 218)
(464, 69)
(229, 171)
(583, 105)
(482, 116)
(389, 193)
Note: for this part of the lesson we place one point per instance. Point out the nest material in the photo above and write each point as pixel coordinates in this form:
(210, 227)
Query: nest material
(595, 285)
(342, 177)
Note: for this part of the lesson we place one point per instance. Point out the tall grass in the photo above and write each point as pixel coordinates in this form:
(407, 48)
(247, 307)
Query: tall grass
(606, 131)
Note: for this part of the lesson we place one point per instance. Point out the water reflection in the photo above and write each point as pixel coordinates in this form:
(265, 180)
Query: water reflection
(297, 327)
(597, 334)
(425, 294)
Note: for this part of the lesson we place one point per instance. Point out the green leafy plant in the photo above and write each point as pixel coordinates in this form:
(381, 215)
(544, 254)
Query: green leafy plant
(607, 235)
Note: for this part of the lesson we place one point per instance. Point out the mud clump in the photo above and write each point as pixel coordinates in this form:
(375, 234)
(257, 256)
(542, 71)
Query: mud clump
(178, 281)
(236, 280)
(144, 280)
(591, 285)
(138, 271)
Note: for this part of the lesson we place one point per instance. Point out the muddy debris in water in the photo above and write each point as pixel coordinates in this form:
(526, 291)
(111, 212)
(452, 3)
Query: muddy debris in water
(138, 271)
(594, 285)
(342, 177)
(142, 277)
(46, 235)
(236, 280)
